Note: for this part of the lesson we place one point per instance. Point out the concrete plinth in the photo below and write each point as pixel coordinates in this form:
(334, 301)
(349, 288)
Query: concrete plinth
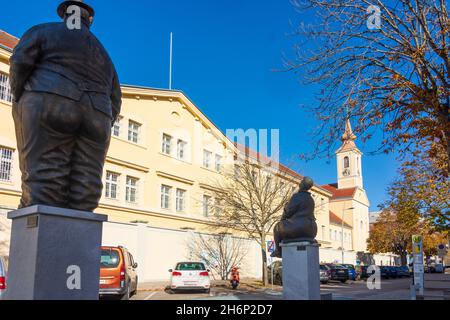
(54, 254)
(301, 271)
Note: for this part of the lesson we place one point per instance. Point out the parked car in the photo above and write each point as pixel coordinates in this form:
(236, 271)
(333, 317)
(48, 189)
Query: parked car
(190, 276)
(325, 274)
(352, 274)
(2, 276)
(338, 272)
(392, 272)
(276, 268)
(118, 277)
(402, 272)
(384, 272)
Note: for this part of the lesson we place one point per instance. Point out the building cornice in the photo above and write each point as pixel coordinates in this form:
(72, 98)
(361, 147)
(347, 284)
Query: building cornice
(127, 164)
(174, 177)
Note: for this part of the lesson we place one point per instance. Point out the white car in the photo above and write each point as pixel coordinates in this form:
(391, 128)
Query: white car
(190, 276)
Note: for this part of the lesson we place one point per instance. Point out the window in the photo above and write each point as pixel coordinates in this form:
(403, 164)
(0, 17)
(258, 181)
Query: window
(207, 159)
(181, 149)
(165, 197)
(335, 235)
(181, 200)
(133, 131)
(112, 185)
(218, 163)
(5, 163)
(206, 204)
(331, 234)
(340, 236)
(116, 127)
(323, 232)
(5, 88)
(131, 194)
(346, 162)
(166, 144)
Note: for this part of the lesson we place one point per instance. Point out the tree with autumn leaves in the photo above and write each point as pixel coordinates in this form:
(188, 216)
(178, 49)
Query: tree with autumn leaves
(390, 78)
(418, 204)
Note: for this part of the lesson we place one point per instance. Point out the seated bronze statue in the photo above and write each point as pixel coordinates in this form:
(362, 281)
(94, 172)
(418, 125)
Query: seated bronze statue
(298, 223)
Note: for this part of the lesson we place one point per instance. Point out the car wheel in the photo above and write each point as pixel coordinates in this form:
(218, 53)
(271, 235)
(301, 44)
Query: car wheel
(127, 295)
(207, 291)
(343, 281)
(135, 289)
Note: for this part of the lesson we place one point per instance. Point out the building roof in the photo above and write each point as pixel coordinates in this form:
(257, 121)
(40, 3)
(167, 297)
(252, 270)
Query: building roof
(7, 40)
(248, 152)
(334, 219)
(348, 139)
(339, 193)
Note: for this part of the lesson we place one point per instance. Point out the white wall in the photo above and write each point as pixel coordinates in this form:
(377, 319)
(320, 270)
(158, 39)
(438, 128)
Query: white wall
(5, 232)
(158, 250)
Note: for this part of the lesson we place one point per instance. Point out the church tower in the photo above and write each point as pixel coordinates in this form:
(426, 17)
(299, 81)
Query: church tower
(349, 161)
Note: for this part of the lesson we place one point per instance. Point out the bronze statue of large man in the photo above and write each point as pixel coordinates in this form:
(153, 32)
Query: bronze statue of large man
(66, 97)
(298, 222)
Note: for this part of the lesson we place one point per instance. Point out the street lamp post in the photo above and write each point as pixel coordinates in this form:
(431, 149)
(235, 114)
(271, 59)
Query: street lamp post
(342, 232)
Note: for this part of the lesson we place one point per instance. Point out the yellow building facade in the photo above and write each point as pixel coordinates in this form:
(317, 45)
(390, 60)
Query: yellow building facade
(165, 155)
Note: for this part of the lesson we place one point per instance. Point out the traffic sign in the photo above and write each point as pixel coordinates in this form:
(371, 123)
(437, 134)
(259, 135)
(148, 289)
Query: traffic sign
(417, 244)
(270, 246)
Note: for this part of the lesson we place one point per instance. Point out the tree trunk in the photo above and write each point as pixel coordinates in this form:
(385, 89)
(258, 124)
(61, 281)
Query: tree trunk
(404, 258)
(265, 279)
(446, 121)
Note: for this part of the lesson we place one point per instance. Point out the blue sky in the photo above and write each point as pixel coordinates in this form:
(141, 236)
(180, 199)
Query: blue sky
(226, 54)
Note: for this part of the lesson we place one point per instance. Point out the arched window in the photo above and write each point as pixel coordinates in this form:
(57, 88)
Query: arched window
(346, 163)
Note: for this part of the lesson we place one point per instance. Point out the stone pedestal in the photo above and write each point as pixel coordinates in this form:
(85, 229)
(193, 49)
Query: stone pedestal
(54, 254)
(301, 271)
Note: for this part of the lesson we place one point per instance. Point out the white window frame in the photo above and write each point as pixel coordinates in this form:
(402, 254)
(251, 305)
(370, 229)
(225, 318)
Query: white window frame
(117, 127)
(165, 196)
(134, 130)
(181, 149)
(132, 187)
(109, 182)
(166, 146)
(206, 205)
(218, 163)
(207, 157)
(6, 164)
(181, 200)
(5, 88)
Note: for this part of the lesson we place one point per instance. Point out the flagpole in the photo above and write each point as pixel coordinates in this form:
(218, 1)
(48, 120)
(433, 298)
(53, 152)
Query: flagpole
(171, 61)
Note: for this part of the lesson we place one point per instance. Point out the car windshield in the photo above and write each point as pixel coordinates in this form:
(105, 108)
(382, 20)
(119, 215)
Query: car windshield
(190, 266)
(322, 267)
(109, 258)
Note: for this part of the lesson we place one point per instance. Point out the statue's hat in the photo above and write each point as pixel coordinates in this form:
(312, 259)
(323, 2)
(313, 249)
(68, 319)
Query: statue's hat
(62, 8)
